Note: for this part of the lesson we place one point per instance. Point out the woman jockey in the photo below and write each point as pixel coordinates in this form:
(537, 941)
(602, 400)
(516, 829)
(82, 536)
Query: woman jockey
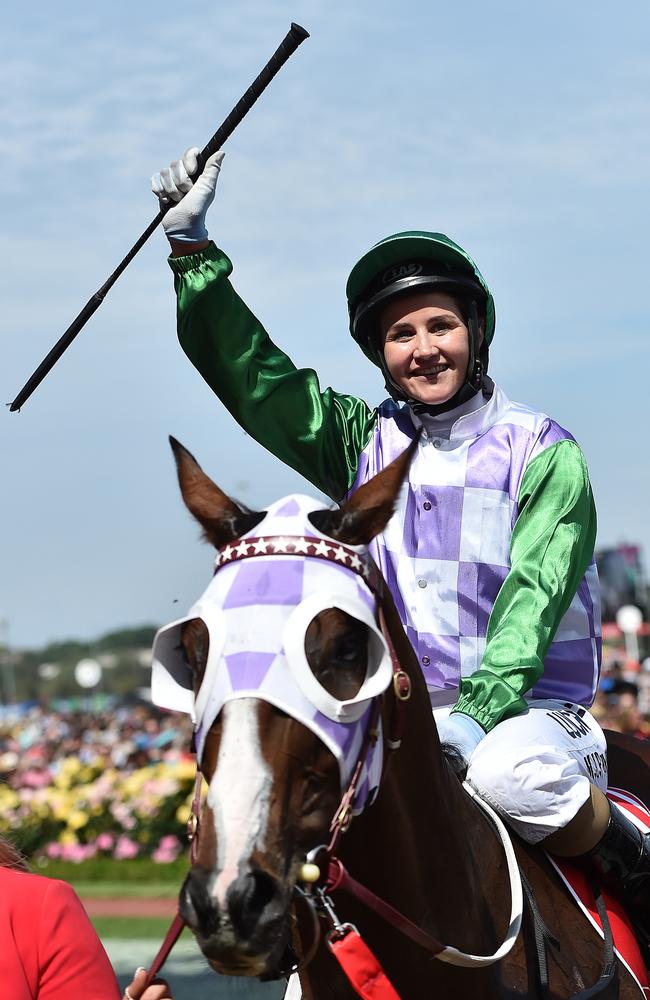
(489, 555)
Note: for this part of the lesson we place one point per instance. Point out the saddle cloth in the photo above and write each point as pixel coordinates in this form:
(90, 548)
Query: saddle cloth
(625, 942)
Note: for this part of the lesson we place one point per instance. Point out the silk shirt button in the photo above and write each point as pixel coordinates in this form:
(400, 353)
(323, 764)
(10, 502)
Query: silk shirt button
(422, 583)
(426, 505)
(437, 443)
(426, 661)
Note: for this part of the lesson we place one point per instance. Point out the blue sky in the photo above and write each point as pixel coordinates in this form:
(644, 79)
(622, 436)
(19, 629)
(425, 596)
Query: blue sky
(523, 131)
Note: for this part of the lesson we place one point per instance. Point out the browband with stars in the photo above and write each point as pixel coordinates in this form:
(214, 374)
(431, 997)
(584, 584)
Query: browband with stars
(360, 563)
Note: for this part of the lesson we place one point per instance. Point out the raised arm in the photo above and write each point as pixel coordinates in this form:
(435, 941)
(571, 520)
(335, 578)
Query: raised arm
(320, 433)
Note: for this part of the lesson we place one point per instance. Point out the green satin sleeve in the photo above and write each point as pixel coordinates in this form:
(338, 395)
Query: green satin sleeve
(551, 547)
(319, 433)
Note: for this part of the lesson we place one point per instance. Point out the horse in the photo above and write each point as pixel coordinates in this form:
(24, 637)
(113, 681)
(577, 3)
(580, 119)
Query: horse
(275, 776)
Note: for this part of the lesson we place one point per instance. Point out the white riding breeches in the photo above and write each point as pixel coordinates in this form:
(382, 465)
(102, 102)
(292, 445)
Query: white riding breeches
(536, 768)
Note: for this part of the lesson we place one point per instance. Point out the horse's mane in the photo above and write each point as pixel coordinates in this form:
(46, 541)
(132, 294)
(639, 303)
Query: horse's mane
(455, 760)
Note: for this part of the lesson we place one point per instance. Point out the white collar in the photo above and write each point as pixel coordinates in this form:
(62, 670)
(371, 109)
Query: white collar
(465, 421)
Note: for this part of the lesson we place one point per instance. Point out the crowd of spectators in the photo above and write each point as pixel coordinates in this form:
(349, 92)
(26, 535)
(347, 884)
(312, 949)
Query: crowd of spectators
(35, 743)
(623, 698)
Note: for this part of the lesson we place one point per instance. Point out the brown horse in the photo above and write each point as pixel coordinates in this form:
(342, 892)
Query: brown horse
(423, 846)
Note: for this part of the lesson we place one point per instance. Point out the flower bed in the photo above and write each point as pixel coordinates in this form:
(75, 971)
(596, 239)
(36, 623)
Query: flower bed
(92, 812)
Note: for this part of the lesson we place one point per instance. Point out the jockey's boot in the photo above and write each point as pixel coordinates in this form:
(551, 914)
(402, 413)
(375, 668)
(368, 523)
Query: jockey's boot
(622, 859)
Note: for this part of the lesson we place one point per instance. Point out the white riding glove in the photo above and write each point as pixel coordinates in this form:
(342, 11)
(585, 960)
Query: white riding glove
(185, 222)
(462, 732)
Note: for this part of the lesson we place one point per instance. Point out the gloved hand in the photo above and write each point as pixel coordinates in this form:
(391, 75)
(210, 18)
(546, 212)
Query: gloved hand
(462, 732)
(185, 222)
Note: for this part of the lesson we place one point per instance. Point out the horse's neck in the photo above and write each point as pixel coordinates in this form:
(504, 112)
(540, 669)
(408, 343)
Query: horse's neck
(419, 774)
(424, 839)
(422, 808)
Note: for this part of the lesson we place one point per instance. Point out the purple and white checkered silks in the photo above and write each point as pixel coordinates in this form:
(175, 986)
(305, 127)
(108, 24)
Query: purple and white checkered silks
(257, 611)
(446, 552)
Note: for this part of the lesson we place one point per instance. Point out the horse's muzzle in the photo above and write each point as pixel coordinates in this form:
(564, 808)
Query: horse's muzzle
(245, 937)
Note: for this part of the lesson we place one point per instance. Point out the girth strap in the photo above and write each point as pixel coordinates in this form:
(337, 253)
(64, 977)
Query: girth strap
(606, 987)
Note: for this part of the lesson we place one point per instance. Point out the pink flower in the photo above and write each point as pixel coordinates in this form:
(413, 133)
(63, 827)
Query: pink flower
(77, 852)
(125, 848)
(170, 842)
(53, 850)
(105, 841)
(168, 849)
(123, 815)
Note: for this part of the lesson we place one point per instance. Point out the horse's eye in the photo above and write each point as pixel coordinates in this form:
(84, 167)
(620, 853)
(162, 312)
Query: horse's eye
(349, 649)
(192, 657)
(181, 649)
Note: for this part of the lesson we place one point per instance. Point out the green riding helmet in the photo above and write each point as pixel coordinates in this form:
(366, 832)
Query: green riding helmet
(412, 262)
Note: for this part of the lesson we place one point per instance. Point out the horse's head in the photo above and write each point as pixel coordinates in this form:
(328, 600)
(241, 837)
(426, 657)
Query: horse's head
(279, 663)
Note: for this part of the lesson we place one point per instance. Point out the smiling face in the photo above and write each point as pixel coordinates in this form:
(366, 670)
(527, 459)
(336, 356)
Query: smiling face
(426, 345)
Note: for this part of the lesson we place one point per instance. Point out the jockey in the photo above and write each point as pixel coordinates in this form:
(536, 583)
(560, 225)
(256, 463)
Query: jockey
(489, 555)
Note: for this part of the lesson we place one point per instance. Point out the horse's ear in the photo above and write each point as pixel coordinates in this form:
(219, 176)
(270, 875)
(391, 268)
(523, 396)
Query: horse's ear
(220, 517)
(370, 508)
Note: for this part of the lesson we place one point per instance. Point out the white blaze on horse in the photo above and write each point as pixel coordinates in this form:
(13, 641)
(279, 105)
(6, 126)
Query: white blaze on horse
(295, 668)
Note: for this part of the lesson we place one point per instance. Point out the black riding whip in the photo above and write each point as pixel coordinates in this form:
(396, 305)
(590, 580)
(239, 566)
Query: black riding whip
(287, 47)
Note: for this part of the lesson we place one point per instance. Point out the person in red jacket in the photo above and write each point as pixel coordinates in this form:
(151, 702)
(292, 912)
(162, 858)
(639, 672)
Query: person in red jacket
(49, 949)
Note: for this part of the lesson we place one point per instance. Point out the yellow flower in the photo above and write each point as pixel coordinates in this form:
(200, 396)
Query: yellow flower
(60, 808)
(183, 813)
(68, 773)
(131, 785)
(77, 819)
(68, 837)
(184, 770)
(8, 798)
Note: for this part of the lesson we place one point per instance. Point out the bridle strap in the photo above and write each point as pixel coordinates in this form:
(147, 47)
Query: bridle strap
(171, 937)
(195, 816)
(176, 927)
(401, 688)
(344, 814)
(309, 546)
(339, 878)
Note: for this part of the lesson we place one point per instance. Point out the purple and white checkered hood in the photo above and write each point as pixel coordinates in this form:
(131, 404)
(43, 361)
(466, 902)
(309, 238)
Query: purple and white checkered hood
(257, 611)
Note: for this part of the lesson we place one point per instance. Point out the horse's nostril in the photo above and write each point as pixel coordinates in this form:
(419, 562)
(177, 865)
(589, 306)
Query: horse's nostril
(264, 891)
(201, 902)
(248, 898)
